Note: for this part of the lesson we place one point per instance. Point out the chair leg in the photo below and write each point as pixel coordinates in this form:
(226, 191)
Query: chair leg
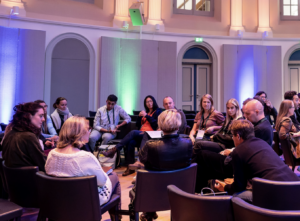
(116, 213)
(136, 216)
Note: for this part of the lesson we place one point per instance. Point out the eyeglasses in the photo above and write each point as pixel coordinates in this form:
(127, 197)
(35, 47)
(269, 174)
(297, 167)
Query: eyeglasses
(45, 105)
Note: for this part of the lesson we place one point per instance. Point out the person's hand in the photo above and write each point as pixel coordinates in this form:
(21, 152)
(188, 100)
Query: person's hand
(220, 185)
(142, 113)
(54, 138)
(192, 139)
(268, 103)
(209, 130)
(49, 143)
(211, 137)
(226, 152)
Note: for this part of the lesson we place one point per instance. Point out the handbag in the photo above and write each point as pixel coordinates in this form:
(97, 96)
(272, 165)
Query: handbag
(107, 161)
(295, 146)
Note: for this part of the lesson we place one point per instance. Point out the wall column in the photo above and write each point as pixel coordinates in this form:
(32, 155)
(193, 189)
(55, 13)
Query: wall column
(236, 17)
(121, 13)
(264, 18)
(155, 15)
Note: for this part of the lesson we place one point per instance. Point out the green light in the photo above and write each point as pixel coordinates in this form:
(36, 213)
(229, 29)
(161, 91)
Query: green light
(198, 39)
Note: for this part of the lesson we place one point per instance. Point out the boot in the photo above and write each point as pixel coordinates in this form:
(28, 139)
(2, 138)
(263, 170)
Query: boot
(128, 172)
(110, 153)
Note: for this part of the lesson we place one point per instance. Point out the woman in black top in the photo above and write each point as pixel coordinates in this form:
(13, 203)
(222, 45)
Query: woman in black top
(147, 121)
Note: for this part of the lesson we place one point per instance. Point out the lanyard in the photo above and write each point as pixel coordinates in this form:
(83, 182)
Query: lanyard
(113, 115)
(206, 119)
(225, 131)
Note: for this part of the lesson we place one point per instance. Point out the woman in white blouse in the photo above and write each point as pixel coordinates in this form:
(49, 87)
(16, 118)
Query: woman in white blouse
(67, 160)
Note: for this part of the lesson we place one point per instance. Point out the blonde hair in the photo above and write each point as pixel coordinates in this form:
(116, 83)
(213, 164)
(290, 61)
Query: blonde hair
(169, 121)
(72, 132)
(209, 97)
(238, 112)
(283, 112)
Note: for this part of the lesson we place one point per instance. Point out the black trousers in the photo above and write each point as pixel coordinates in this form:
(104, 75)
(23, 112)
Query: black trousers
(210, 166)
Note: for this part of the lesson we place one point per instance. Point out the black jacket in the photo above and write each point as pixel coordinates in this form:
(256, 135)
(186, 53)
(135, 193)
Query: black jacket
(152, 120)
(264, 130)
(255, 158)
(22, 148)
(171, 152)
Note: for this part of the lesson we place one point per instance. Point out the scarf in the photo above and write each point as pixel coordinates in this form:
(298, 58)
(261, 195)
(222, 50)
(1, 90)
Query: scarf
(56, 119)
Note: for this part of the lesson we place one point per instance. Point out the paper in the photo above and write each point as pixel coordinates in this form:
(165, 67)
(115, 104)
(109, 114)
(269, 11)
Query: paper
(200, 134)
(154, 134)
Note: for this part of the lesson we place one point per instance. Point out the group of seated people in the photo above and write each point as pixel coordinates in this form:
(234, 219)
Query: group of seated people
(238, 146)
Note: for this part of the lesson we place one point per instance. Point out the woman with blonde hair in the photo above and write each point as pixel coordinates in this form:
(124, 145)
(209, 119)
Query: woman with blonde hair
(67, 160)
(171, 152)
(208, 119)
(223, 138)
(284, 124)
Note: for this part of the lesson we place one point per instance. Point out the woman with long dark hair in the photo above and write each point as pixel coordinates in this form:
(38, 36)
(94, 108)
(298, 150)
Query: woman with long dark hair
(147, 121)
(21, 146)
(61, 113)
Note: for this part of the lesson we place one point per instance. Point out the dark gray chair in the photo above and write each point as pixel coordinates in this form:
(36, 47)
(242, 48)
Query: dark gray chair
(289, 158)
(72, 198)
(21, 185)
(151, 192)
(92, 113)
(276, 195)
(244, 211)
(190, 116)
(9, 211)
(186, 206)
(3, 185)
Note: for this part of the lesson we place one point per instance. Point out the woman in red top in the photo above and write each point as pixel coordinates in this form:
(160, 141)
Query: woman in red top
(147, 121)
(208, 119)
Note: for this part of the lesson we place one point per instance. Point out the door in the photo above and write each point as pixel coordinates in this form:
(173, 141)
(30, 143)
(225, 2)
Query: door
(195, 84)
(294, 74)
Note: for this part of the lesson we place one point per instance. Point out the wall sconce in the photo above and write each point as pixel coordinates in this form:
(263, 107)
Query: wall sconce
(125, 24)
(157, 27)
(265, 34)
(240, 33)
(14, 10)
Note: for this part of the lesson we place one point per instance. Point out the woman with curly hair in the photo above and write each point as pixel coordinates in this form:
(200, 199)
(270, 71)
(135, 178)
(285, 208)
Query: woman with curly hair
(21, 146)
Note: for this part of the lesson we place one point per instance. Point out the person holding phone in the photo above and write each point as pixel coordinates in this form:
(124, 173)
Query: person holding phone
(269, 109)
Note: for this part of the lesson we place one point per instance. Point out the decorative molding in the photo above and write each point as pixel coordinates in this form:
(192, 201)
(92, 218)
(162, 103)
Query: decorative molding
(236, 17)
(264, 17)
(92, 74)
(121, 13)
(214, 70)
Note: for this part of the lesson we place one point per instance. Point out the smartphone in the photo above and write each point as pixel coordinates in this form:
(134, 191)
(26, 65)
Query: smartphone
(109, 172)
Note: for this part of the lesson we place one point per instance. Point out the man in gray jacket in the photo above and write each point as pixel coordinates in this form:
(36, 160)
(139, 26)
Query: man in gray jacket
(106, 122)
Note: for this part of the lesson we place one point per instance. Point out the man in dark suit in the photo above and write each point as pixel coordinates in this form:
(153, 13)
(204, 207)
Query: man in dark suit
(252, 157)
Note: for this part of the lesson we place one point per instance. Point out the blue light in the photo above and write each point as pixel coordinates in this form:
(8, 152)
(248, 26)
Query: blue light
(245, 73)
(8, 72)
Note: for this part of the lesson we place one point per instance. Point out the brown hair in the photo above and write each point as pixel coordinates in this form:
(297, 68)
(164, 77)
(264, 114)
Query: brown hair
(22, 117)
(58, 100)
(283, 112)
(209, 97)
(242, 127)
(169, 120)
(72, 132)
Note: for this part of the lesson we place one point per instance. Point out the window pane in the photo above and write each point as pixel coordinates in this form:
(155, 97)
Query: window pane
(184, 4)
(203, 5)
(287, 2)
(294, 2)
(294, 10)
(286, 10)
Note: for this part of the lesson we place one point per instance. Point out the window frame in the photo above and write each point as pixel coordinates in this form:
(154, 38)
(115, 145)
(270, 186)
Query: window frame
(193, 11)
(286, 17)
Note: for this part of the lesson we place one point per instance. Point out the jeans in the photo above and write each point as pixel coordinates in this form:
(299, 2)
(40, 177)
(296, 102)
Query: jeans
(245, 195)
(96, 135)
(131, 140)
